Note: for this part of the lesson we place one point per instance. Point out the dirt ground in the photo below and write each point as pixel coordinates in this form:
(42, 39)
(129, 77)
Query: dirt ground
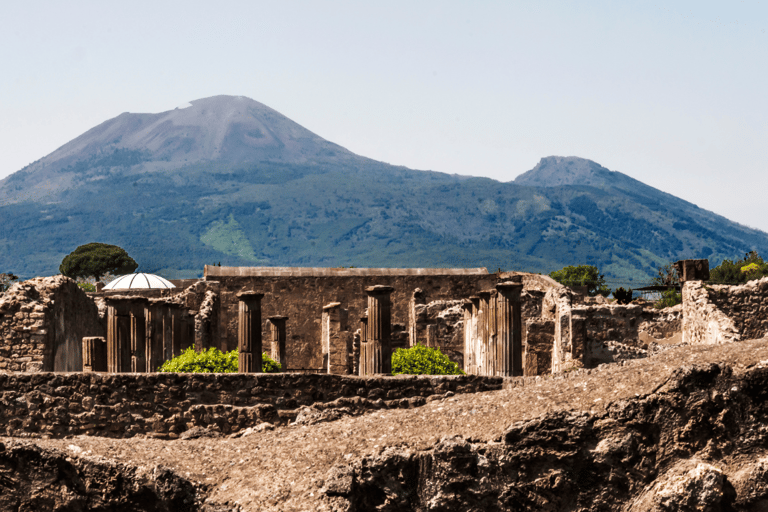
(285, 468)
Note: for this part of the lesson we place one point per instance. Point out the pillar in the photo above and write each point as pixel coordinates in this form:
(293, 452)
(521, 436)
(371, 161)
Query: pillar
(277, 335)
(336, 339)
(483, 334)
(249, 332)
(509, 343)
(376, 350)
(469, 356)
(138, 335)
(417, 299)
(357, 357)
(94, 354)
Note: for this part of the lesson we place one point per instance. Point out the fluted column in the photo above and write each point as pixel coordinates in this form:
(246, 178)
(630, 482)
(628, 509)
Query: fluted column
(362, 357)
(379, 332)
(249, 332)
(483, 332)
(94, 354)
(277, 331)
(509, 346)
(138, 336)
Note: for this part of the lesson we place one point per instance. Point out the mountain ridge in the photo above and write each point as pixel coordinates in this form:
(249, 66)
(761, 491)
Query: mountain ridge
(229, 179)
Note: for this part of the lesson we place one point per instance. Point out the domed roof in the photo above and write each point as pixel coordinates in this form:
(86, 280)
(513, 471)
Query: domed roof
(138, 281)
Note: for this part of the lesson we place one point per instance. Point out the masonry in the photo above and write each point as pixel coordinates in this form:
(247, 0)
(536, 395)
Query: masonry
(301, 294)
(165, 405)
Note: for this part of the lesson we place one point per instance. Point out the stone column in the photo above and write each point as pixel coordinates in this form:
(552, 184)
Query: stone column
(509, 346)
(277, 331)
(483, 334)
(94, 354)
(336, 339)
(138, 336)
(376, 356)
(469, 358)
(361, 347)
(122, 331)
(413, 321)
(249, 332)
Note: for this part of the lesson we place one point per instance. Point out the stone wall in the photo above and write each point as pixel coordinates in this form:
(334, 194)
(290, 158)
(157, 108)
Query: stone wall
(722, 313)
(42, 323)
(440, 324)
(166, 404)
(300, 294)
(590, 335)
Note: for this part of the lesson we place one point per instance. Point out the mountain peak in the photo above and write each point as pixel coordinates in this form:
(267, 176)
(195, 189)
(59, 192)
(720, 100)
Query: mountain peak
(556, 171)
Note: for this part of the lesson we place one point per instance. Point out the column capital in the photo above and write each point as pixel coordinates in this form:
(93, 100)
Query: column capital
(249, 295)
(332, 305)
(380, 289)
(274, 319)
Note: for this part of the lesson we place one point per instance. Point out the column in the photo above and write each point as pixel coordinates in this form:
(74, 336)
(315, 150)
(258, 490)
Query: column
(483, 333)
(362, 369)
(413, 320)
(249, 332)
(378, 350)
(509, 346)
(469, 358)
(138, 336)
(336, 339)
(277, 332)
(94, 354)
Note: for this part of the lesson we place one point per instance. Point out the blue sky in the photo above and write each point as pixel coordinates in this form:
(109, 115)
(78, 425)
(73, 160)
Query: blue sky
(670, 93)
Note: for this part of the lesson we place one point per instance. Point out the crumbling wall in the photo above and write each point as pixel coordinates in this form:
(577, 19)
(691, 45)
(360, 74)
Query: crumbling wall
(722, 313)
(42, 323)
(589, 335)
(441, 323)
(164, 405)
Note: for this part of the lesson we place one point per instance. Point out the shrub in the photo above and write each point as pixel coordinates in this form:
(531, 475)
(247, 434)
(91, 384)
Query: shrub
(421, 360)
(668, 299)
(623, 296)
(87, 287)
(213, 361)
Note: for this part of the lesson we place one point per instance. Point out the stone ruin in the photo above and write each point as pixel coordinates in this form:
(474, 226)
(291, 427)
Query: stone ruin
(349, 321)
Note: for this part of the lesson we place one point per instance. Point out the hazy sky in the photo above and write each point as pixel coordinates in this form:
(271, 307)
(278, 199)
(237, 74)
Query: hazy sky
(674, 94)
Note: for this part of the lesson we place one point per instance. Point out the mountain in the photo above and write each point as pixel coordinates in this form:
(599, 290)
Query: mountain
(227, 179)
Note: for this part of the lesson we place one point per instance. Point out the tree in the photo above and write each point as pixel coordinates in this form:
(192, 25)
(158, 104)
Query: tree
(6, 280)
(667, 276)
(582, 275)
(95, 260)
(739, 271)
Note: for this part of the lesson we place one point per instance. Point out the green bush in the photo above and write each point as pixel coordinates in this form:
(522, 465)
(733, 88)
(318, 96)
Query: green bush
(421, 360)
(752, 266)
(668, 299)
(213, 361)
(87, 287)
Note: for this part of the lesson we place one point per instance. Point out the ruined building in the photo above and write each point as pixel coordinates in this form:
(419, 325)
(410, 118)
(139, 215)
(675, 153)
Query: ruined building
(349, 321)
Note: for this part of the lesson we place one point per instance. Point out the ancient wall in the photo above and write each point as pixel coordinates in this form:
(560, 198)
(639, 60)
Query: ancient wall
(440, 324)
(166, 404)
(300, 294)
(42, 323)
(589, 335)
(723, 313)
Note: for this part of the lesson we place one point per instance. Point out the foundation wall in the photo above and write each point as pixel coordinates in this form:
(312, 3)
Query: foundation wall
(166, 404)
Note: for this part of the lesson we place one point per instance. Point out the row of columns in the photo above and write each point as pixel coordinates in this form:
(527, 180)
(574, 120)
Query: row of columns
(493, 331)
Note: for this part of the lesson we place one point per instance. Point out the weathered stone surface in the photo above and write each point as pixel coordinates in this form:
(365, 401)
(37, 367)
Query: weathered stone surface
(59, 314)
(166, 404)
(722, 313)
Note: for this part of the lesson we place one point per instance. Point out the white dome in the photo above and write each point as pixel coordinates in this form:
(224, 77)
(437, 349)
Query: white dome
(139, 281)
